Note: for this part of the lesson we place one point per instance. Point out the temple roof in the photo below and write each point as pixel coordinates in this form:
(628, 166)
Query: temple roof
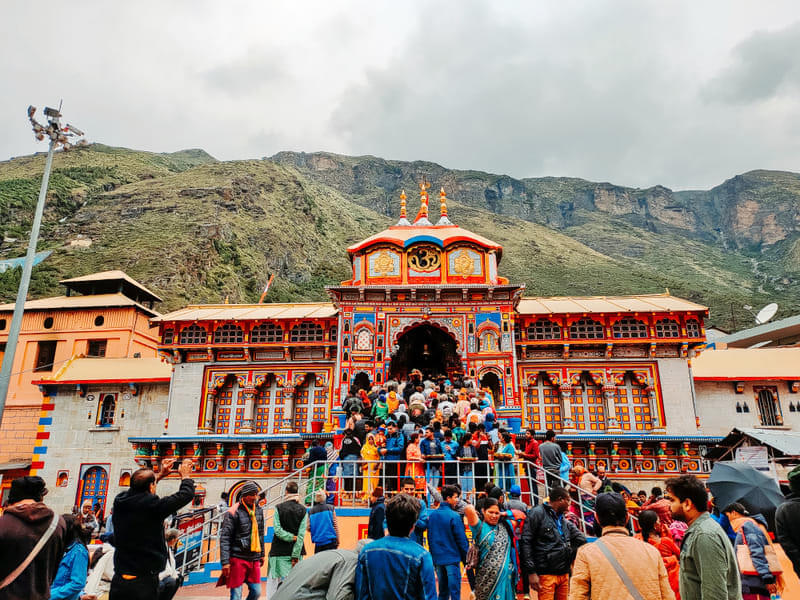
(81, 302)
(440, 235)
(107, 282)
(109, 370)
(747, 364)
(606, 304)
(251, 312)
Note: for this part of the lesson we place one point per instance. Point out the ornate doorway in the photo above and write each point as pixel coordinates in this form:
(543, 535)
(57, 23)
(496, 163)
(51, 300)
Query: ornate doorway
(427, 348)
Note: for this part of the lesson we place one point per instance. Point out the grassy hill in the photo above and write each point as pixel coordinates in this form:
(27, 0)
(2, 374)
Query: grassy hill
(198, 230)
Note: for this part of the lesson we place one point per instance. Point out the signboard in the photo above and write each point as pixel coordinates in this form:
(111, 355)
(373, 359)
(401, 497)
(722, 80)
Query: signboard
(188, 548)
(755, 456)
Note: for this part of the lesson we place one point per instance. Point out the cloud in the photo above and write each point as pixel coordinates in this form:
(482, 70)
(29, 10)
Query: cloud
(248, 74)
(765, 65)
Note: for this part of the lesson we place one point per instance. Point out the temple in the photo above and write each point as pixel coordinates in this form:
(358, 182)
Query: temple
(251, 385)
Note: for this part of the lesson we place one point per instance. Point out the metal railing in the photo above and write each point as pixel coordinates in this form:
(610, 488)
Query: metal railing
(349, 483)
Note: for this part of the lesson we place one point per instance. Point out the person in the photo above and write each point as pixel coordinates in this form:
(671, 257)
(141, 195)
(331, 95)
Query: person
(371, 466)
(395, 566)
(466, 455)
(482, 447)
(531, 455)
(223, 505)
(322, 524)
(71, 576)
(787, 521)
(241, 544)
(317, 456)
(377, 515)
(550, 453)
(289, 523)
(138, 515)
(708, 568)
(98, 583)
(414, 467)
(380, 410)
(23, 523)
(450, 451)
(507, 467)
(653, 533)
(496, 576)
(349, 453)
(513, 502)
(595, 574)
(421, 526)
(393, 454)
(751, 532)
(448, 544)
(548, 546)
(88, 517)
(659, 505)
(169, 580)
(430, 447)
(588, 487)
(326, 576)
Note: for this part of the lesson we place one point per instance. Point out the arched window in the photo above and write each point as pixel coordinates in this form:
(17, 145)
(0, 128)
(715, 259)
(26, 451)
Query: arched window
(268, 415)
(667, 328)
(544, 329)
(632, 403)
(362, 339)
(306, 332)
(334, 333)
(630, 328)
(266, 333)
(543, 403)
(768, 409)
(169, 336)
(193, 334)
(586, 329)
(228, 334)
(108, 406)
(487, 341)
(588, 406)
(693, 328)
(309, 403)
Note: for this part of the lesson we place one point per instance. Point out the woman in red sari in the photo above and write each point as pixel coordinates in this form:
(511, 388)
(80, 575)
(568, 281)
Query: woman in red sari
(415, 468)
(653, 533)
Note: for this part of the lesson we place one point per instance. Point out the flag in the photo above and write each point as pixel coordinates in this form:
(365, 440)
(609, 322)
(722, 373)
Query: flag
(266, 288)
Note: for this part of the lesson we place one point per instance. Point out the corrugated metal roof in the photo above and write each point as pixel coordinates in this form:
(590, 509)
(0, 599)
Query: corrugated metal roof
(606, 304)
(787, 442)
(787, 330)
(77, 302)
(89, 370)
(110, 276)
(734, 364)
(244, 312)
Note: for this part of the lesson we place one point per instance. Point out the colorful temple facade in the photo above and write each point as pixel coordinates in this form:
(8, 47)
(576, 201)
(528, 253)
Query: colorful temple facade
(251, 385)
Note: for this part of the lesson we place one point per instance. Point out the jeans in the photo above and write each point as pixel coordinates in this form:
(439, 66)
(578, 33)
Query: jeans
(253, 594)
(168, 587)
(449, 577)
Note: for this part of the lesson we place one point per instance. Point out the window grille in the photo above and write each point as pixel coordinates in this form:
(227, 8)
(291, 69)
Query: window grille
(768, 408)
(630, 328)
(306, 332)
(335, 332)
(586, 329)
(693, 328)
(194, 334)
(266, 333)
(544, 329)
(229, 334)
(97, 348)
(169, 336)
(108, 407)
(363, 339)
(667, 328)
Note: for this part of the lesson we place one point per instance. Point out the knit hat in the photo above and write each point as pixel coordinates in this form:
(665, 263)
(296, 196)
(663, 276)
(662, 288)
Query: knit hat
(378, 492)
(794, 480)
(248, 488)
(495, 493)
(30, 487)
(515, 490)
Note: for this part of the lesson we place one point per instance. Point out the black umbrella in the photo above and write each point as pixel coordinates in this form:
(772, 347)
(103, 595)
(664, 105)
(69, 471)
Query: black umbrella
(739, 482)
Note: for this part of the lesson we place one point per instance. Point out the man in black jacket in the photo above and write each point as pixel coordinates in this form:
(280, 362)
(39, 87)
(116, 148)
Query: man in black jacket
(289, 523)
(548, 546)
(138, 517)
(787, 521)
(241, 544)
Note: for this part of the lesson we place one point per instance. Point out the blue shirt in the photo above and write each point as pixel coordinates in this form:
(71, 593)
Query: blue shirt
(450, 450)
(428, 447)
(72, 571)
(396, 568)
(446, 536)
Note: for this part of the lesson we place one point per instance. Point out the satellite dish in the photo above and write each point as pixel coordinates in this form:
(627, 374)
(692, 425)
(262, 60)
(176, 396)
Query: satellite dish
(766, 313)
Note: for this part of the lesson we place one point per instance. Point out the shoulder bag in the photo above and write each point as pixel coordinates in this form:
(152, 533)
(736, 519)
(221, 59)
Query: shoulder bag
(745, 561)
(632, 589)
(11, 577)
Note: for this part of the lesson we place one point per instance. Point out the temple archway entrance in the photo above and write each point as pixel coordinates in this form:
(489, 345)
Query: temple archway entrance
(427, 348)
(491, 381)
(361, 382)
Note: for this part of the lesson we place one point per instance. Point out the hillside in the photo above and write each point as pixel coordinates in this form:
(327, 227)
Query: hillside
(198, 230)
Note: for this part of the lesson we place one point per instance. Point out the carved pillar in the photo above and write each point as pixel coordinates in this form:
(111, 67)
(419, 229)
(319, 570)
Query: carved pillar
(287, 424)
(662, 456)
(684, 454)
(592, 458)
(249, 395)
(614, 456)
(242, 454)
(655, 410)
(638, 457)
(208, 416)
(265, 457)
(612, 422)
(568, 423)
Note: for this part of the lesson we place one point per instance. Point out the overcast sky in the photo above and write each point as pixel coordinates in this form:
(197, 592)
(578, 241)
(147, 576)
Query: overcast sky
(683, 94)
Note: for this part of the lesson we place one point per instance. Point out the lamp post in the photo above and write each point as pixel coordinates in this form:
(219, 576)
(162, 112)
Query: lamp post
(59, 136)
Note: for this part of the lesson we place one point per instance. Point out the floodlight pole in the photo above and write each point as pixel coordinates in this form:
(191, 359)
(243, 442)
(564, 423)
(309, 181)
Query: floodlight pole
(57, 136)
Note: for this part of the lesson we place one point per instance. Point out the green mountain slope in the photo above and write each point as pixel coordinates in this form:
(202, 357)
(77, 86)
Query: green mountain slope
(198, 230)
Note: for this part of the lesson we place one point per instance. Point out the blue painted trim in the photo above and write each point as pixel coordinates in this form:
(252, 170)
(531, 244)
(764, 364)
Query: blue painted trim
(40, 450)
(289, 437)
(423, 238)
(45, 420)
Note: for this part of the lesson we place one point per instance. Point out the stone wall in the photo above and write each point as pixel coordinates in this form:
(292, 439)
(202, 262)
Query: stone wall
(75, 441)
(18, 432)
(676, 390)
(716, 405)
(187, 396)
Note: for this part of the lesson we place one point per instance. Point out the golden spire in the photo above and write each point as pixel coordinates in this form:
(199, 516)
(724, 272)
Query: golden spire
(403, 214)
(422, 215)
(443, 220)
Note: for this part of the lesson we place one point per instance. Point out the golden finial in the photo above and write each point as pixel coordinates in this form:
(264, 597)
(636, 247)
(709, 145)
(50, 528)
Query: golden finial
(403, 214)
(422, 215)
(443, 220)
